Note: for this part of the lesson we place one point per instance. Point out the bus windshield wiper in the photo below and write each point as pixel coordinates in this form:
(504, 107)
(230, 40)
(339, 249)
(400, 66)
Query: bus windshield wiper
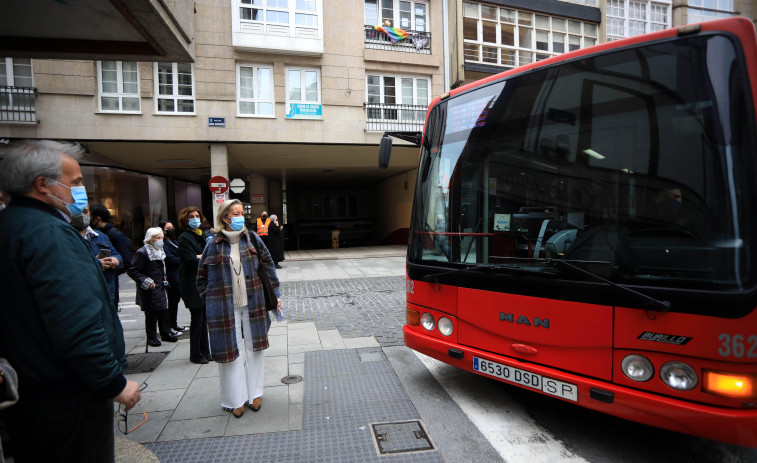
(653, 303)
(486, 268)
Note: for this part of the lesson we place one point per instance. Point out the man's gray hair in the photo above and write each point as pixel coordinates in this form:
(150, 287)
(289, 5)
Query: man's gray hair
(152, 233)
(25, 160)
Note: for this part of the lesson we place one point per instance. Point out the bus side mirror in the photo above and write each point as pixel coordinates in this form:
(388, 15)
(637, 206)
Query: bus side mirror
(385, 152)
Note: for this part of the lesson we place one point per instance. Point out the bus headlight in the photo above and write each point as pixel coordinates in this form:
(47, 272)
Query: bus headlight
(427, 321)
(637, 368)
(678, 376)
(445, 326)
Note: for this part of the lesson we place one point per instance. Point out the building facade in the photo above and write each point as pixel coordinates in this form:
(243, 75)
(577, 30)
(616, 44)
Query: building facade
(291, 97)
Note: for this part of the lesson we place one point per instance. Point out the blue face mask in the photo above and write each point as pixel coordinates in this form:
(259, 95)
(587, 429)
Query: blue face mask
(237, 223)
(79, 195)
(193, 223)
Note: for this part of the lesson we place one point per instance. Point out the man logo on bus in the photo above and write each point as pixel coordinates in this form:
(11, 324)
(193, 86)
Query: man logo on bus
(523, 320)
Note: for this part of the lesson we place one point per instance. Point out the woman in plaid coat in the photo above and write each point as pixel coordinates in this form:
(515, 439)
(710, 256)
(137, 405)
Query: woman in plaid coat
(238, 323)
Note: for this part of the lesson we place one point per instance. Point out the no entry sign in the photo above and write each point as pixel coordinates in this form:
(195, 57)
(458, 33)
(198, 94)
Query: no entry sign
(218, 185)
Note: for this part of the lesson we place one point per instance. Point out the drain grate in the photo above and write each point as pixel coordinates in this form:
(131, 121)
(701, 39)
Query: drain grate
(401, 437)
(291, 379)
(144, 363)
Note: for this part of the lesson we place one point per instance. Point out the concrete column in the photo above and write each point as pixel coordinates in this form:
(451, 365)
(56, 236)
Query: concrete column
(219, 165)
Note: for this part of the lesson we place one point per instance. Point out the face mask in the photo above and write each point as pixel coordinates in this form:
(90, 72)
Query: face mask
(79, 195)
(80, 222)
(264, 216)
(158, 244)
(669, 206)
(193, 223)
(2, 206)
(170, 233)
(237, 223)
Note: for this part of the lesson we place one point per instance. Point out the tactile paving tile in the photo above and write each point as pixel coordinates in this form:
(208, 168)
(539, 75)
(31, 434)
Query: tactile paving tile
(343, 396)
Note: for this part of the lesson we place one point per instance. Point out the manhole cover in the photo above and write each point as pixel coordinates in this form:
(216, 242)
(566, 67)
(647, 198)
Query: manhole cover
(292, 379)
(401, 437)
(144, 363)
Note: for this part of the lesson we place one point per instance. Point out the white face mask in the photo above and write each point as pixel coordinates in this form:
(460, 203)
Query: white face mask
(158, 244)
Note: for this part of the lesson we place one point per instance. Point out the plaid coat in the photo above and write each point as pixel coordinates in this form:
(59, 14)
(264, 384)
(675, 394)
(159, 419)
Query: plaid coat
(214, 283)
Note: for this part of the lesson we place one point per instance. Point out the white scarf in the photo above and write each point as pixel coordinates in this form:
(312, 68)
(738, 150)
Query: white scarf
(154, 253)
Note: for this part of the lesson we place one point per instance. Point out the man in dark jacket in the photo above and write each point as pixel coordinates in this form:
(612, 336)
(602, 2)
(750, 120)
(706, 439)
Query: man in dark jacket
(101, 220)
(58, 325)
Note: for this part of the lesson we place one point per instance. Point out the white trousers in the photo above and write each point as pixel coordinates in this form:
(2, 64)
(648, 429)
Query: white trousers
(242, 379)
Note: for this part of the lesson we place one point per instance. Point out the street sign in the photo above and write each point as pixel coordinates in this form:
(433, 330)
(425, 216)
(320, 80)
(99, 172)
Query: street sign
(218, 184)
(237, 185)
(216, 122)
(220, 198)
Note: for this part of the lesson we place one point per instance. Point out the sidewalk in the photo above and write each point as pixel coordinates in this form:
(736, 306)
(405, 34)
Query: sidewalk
(336, 303)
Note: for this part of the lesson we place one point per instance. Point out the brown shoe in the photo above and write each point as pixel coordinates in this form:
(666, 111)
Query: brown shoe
(256, 404)
(238, 412)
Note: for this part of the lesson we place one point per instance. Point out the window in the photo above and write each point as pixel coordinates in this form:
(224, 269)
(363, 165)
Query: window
(254, 90)
(303, 93)
(16, 72)
(174, 88)
(284, 12)
(509, 37)
(709, 10)
(397, 98)
(627, 18)
(17, 95)
(406, 15)
(118, 86)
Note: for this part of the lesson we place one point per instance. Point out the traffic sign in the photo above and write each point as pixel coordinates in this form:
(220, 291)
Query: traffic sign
(218, 184)
(237, 185)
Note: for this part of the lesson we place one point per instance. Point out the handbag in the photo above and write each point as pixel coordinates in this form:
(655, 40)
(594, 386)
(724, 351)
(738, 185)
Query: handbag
(271, 301)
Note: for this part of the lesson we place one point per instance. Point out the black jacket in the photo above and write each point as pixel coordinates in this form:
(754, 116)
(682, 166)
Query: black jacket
(121, 243)
(149, 300)
(190, 246)
(172, 263)
(276, 242)
(59, 328)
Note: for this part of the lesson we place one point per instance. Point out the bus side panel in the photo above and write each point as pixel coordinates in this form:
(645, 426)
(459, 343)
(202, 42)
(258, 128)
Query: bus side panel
(440, 297)
(572, 336)
(728, 340)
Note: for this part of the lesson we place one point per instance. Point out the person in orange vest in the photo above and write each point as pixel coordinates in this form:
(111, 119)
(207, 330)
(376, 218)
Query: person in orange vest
(262, 227)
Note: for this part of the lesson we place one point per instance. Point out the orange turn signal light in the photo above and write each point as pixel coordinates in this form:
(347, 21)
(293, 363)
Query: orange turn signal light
(413, 317)
(740, 386)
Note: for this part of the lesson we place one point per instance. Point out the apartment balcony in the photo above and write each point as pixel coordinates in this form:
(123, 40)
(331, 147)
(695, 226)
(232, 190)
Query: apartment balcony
(416, 42)
(17, 104)
(383, 117)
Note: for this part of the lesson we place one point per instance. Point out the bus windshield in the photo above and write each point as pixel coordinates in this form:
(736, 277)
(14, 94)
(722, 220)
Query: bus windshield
(633, 165)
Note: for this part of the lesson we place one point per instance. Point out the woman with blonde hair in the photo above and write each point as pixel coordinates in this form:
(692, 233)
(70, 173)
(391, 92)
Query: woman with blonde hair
(238, 323)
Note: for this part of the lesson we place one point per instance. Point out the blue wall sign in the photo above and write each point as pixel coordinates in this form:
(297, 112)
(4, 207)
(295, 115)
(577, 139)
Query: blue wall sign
(304, 111)
(216, 122)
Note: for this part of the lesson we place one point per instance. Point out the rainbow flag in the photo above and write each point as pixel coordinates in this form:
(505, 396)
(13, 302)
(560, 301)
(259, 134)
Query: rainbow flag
(394, 33)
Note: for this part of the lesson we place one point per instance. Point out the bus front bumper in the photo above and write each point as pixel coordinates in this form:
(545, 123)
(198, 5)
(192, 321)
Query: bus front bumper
(734, 426)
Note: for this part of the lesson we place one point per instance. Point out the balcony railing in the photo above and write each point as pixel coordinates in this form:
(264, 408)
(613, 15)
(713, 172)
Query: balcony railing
(382, 117)
(17, 104)
(416, 42)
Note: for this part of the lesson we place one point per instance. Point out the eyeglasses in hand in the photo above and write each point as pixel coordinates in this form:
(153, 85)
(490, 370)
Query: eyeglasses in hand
(123, 423)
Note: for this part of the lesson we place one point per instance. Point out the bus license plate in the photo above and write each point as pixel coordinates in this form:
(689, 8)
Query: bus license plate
(525, 378)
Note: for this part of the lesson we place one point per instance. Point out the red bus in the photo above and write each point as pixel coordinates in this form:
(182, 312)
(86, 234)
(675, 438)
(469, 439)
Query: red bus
(584, 227)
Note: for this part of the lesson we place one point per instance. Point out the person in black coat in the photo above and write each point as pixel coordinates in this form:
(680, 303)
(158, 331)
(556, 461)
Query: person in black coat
(276, 240)
(191, 244)
(171, 249)
(101, 220)
(148, 270)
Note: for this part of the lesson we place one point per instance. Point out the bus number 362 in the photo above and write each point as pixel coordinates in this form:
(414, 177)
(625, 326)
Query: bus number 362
(734, 345)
